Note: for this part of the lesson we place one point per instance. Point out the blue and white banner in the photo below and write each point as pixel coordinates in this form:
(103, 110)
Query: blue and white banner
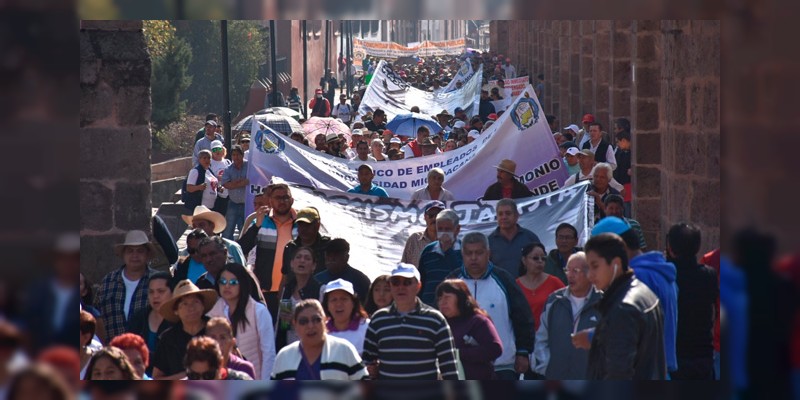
(389, 92)
(520, 134)
(377, 229)
(464, 74)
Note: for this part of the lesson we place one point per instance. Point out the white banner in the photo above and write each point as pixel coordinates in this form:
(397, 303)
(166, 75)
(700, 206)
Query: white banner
(389, 92)
(521, 134)
(363, 48)
(377, 229)
(517, 85)
(464, 73)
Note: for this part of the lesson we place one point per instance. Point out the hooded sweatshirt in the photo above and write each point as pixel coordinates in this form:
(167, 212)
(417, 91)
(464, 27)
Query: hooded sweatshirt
(659, 275)
(733, 299)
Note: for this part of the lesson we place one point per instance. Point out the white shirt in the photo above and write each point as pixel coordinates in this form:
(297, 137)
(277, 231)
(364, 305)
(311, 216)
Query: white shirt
(210, 192)
(218, 168)
(610, 157)
(571, 181)
(342, 111)
(510, 70)
(62, 299)
(356, 337)
(577, 303)
(266, 337)
(130, 287)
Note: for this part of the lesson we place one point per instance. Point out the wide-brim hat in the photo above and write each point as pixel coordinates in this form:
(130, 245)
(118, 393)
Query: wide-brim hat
(135, 238)
(182, 289)
(202, 212)
(508, 166)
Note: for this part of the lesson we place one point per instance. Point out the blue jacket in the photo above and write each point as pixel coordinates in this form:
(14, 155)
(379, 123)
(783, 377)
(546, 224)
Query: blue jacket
(733, 298)
(659, 275)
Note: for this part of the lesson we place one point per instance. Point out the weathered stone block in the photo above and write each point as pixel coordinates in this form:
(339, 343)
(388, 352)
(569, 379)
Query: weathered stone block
(713, 154)
(132, 206)
(648, 82)
(624, 25)
(648, 213)
(587, 27)
(622, 44)
(675, 103)
(602, 25)
(87, 52)
(644, 25)
(89, 71)
(646, 51)
(96, 103)
(133, 106)
(622, 74)
(648, 148)
(587, 46)
(705, 203)
(97, 255)
(647, 115)
(711, 105)
(95, 206)
(126, 73)
(648, 181)
(120, 46)
(603, 97)
(621, 100)
(115, 153)
(691, 153)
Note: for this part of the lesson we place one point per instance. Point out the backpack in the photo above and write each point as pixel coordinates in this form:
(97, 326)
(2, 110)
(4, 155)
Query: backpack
(193, 199)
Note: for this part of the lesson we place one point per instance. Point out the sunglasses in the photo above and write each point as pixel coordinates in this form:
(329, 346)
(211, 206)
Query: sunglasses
(232, 282)
(217, 150)
(303, 321)
(196, 376)
(398, 281)
(537, 258)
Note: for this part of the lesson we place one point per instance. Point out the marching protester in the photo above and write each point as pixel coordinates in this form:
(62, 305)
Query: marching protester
(434, 190)
(365, 176)
(343, 111)
(566, 246)
(536, 284)
(379, 295)
(234, 180)
(508, 240)
(418, 240)
(110, 364)
(148, 323)
(204, 361)
(376, 149)
(135, 350)
(507, 185)
(337, 257)
(219, 329)
(308, 223)
(347, 319)
(204, 143)
(319, 105)
(213, 223)
(300, 285)
(440, 257)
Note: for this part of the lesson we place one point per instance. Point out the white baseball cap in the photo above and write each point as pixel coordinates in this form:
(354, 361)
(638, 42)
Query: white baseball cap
(340, 284)
(406, 271)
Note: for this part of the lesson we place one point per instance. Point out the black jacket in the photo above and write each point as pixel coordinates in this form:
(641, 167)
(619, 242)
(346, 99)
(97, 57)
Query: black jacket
(697, 285)
(629, 339)
(495, 191)
(485, 108)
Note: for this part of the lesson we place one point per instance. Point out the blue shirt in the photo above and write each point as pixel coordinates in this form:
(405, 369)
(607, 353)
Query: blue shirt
(195, 270)
(508, 254)
(434, 267)
(373, 191)
(231, 174)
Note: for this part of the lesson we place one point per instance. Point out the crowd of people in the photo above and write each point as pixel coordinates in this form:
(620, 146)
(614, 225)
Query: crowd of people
(267, 296)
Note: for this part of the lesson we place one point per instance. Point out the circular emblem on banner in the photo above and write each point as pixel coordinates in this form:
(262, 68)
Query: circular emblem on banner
(268, 142)
(525, 113)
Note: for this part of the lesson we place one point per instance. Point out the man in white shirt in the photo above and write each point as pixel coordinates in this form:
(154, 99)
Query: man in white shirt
(343, 110)
(510, 70)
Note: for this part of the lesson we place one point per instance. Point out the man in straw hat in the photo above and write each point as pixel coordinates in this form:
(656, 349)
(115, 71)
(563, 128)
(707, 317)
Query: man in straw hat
(213, 223)
(123, 291)
(187, 309)
(507, 185)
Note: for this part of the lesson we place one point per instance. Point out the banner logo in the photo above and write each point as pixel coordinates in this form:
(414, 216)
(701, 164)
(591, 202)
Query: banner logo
(525, 113)
(268, 142)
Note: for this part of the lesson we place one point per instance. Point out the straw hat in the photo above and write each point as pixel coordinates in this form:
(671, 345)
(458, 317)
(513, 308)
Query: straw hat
(183, 289)
(202, 212)
(508, 166)
(135, 238)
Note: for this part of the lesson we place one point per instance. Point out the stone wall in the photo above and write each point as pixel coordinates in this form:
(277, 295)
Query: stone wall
(115, 140)
(664, 76)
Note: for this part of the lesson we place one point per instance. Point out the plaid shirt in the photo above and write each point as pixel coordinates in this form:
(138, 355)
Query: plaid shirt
(111, 301)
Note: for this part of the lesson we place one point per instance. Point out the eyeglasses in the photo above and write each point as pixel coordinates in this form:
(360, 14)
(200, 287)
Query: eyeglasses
(305, 320)
(225, 282)
(538, 258)
(398, 281)
(196, 376)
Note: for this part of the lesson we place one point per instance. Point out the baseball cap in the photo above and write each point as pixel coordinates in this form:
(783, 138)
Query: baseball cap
(573, 151)
(406, 271)
(492, 117)
(211, 122)
(587, 118)
(459, 124)
(434, 204)
(458, 110)
(318, 91)
(573, 127)
(216, 144)
(340, 284)
(360, 167)
(474, 134)
(308, 214)
(587, 153)
(331, 137)
(395, 140)
(610, 225)
(357, 132)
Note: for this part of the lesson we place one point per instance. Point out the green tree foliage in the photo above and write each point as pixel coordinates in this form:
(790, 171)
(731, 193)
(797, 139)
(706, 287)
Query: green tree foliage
(170, 79)
(158, 35)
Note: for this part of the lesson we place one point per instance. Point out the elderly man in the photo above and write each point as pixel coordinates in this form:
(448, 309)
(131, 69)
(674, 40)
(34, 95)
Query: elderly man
(212, 223)
(388, 352)
(365, 176)
(566, 311)
(214, 255)
(603, 152)
(602, 175)
(269, 234)
(498, 294)
(508, 239)
(191, 267)
(507, 185)
(123, 291)
(308, 223)
(418, 240)
(337, 257)
(566, 246)
(441, 257)
(628, 342)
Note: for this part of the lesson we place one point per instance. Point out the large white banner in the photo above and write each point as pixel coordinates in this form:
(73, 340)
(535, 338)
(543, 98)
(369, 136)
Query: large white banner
(517, 85)
(521, 134)
(389, 92)
(464, 73)
(377, 229)
(363, 48)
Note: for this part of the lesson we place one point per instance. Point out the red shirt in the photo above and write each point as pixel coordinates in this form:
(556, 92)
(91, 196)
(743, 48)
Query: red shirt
(507, 192)
(537, 298)
(712, 260)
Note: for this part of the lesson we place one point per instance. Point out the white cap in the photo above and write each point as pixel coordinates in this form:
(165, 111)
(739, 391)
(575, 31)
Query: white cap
(573, 127)
(459, 124)
(395, 140)
(357, 132)
(406, 271)
(217, 144)
(573, 151)
(211, 122)
(340, 284)
(474, 134)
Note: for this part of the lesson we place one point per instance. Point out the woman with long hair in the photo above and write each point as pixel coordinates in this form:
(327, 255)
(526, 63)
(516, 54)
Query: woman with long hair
(346, 317)
(300, 286)
(250, 318)
(148, 323)
(110, 364)
(379, 295)
(473, 332)
(536, 284)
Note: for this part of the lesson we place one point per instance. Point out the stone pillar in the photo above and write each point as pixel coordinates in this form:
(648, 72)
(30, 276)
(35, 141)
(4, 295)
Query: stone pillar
(115, 140)
(587, 60)
(602, 74)
(574, 86)
(620, 76)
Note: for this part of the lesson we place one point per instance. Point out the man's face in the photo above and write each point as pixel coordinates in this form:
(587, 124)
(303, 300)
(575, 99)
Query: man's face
(478, 125)
(594, 133)
(365, 177)
(422, 135)
(210, 130)
(600, 179)
(135, 256)
(484, 95)
(577, 275)
(342, 100)
(504, 176)
(206, 225)
(506, 217)
(260, 201)
(566, 240)
(571, 160)
(281, 201)
(320, 143)
(336, 260)
(404, 290)
(213, 258)
(614, 209)
(362, 149)
(601, 273)
(377, 119)
(238, 158)
(624, 144)
(586, 162)
(476, 258)
(307, 230)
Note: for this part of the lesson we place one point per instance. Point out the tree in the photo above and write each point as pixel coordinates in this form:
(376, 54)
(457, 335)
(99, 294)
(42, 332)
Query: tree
(247, 48)
(170, 79)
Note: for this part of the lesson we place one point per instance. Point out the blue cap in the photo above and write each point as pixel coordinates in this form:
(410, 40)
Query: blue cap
(611, 225)
(434, 204)
(458, 110)
(406, 271)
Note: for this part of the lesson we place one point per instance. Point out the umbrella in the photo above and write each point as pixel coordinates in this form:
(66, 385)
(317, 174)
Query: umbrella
(285, 111)
(316, 125)
(407, 124)
(279, 123)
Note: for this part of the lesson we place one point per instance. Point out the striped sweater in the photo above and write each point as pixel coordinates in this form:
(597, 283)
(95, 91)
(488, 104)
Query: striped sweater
(339, 360)
(408, 346)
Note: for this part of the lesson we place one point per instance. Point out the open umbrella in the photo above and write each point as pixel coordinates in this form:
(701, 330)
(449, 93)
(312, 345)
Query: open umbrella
(279, 123)
(285, 111)
(407, 124)
(316, 125)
